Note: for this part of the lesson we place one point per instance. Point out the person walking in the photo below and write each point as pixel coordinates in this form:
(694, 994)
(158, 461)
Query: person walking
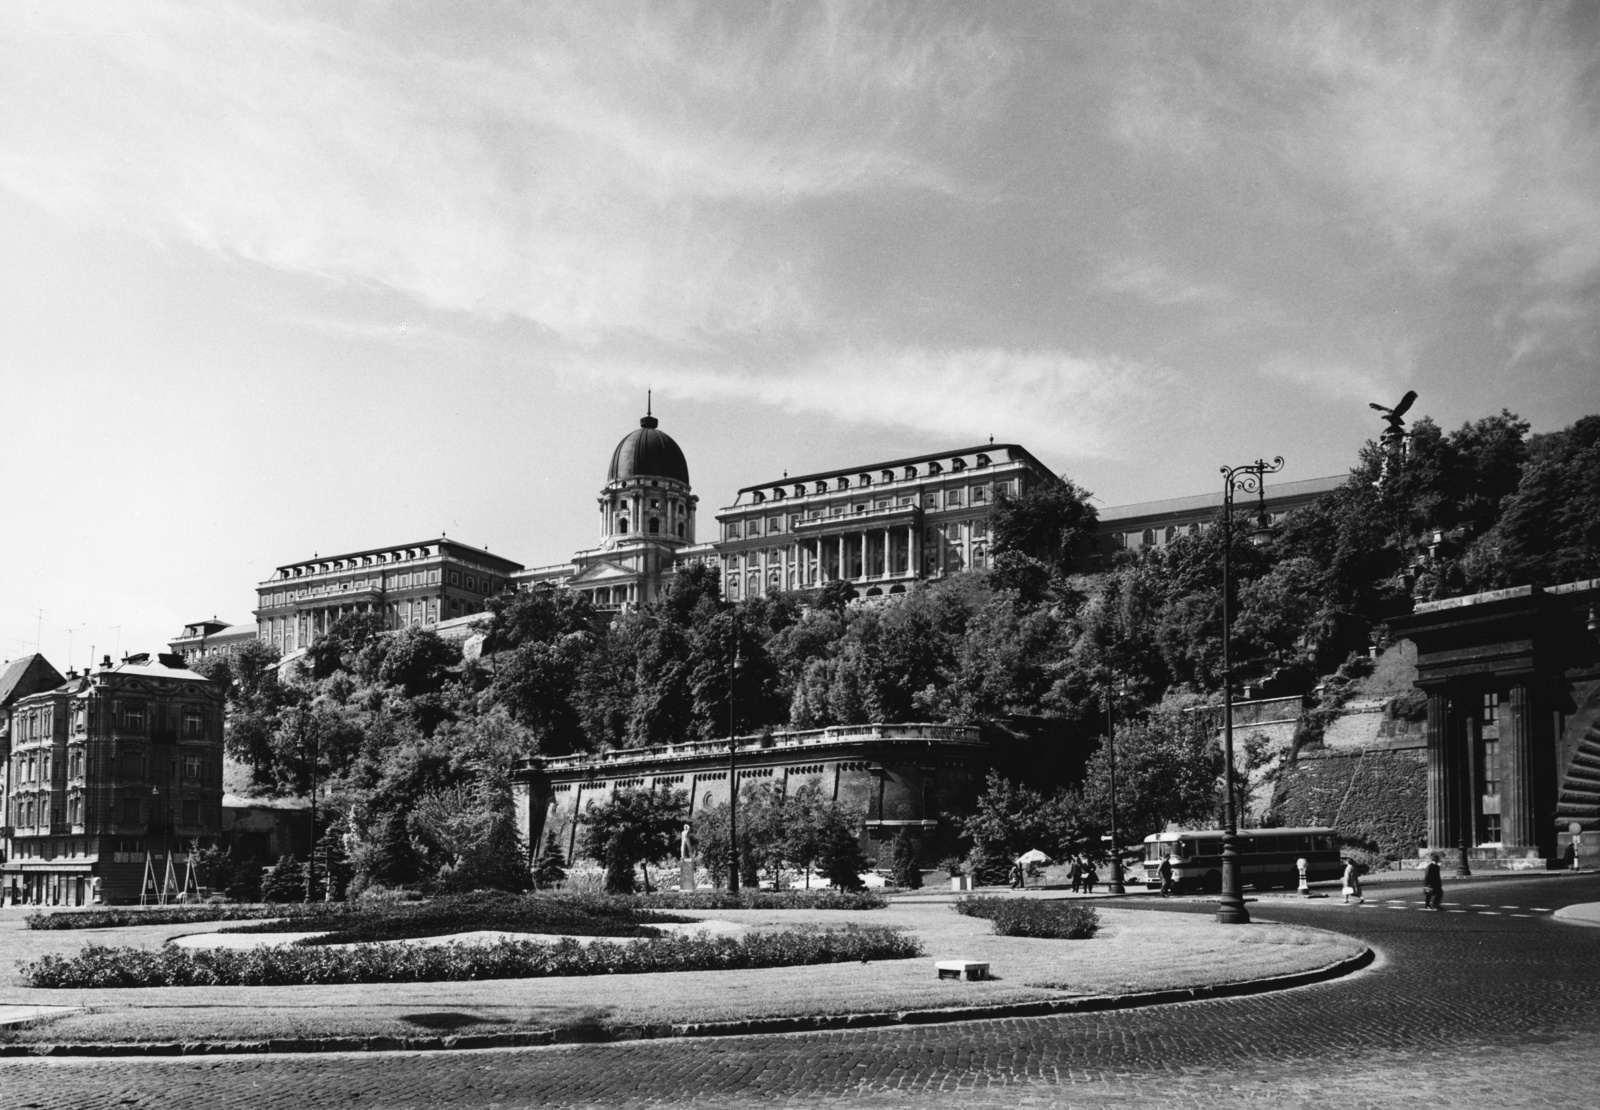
(1016, 875)
(1165, 872)
(1089, 877)
(1432, 884)
(1075, 875)
(1352, 881)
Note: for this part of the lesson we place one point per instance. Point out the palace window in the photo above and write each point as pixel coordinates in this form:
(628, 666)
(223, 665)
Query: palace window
(194, 721)
(680, 529)
(952, 497)
(133, 716)
(655, 526)
(191, 767)
(753, 527)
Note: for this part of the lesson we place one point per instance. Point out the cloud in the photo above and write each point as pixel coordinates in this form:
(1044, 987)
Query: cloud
(1342, 379)
(1157, 284)
(595, 169)
(1072, 404)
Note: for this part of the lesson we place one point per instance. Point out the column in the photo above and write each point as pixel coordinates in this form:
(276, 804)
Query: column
(912, 560)
(1517, 787)
(842, 566)
(888, 555)
(1443, 808)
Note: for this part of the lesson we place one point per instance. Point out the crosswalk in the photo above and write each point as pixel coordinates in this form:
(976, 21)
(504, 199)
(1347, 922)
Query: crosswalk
(1482, 909)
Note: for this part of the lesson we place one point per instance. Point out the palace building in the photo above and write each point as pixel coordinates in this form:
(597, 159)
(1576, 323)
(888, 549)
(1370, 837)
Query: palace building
(422, 583)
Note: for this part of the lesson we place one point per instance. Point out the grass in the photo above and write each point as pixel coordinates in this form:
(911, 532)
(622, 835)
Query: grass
(1133, 951)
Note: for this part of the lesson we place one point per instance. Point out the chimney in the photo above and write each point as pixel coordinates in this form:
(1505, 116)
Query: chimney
(105, 663)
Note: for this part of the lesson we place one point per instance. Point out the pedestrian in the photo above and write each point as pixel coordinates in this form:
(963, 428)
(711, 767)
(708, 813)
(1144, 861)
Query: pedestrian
(1432, 884)
(1075, 874)
(1089, 877)
(1165, 872)
(1016, 875)
(1352, 881)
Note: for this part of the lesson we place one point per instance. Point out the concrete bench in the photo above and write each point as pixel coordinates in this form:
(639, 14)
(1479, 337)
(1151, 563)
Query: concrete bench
(954, 969)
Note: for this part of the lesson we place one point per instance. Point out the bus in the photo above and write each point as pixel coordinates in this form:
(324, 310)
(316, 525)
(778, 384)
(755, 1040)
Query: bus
(1267, 857)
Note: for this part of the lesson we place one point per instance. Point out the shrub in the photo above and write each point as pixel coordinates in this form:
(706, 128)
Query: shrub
(284, 881)
(123, 917)
(903, 869)
(1028, 917)
(763, 900)
(464, 913)
(291, 965)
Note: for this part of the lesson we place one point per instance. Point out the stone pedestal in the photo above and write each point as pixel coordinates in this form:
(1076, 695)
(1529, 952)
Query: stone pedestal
(686, 874)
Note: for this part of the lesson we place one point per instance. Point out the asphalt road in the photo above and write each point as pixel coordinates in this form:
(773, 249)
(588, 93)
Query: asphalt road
(1491, 1003)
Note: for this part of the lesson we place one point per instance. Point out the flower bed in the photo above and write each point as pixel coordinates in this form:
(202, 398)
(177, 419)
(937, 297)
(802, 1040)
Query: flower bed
(288, 965)
(763, 900)
(124, 917)
(589, 916)
(1029, 917)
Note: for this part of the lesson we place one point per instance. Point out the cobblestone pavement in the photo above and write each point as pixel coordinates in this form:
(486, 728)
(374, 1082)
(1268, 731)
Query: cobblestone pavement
(1486, 1007)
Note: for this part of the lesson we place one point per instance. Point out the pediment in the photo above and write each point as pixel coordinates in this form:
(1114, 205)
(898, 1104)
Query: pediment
(601, 571)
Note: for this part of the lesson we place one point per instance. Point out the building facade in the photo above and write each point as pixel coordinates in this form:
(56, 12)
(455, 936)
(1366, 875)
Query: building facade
(108, 771)
(912, 777)
(1158, 523)
(880, 527)
(410, 584)
(1513, 729)
(207, 639)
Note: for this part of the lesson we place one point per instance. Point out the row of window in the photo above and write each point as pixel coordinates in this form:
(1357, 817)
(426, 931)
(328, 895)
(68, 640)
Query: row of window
(477, 583)
(930, 500)
(865, 478)
(352, 562)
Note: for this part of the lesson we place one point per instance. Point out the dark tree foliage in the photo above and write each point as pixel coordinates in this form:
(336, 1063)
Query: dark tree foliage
(903, 868)
(1041, 537)
(418, 661)
(551, 866)
(338, 648)
(631, 828)
(284, 881)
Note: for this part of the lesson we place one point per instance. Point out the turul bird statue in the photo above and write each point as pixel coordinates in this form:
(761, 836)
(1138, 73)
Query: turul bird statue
(1396, 416)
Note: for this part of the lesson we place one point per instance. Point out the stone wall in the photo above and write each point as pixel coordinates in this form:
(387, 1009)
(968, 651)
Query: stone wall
(1376, 797)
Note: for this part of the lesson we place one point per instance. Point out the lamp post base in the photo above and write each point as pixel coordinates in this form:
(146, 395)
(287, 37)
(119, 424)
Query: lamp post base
(1230, 909)
(1117, 886)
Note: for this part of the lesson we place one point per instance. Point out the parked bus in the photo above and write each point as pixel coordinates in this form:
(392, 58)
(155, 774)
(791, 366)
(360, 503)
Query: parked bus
(1268, 857)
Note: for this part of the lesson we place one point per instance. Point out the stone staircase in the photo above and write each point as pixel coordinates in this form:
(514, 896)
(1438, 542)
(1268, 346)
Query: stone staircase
(1579, 799)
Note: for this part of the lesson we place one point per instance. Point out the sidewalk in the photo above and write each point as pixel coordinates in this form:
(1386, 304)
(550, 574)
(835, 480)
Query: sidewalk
(1584, 913)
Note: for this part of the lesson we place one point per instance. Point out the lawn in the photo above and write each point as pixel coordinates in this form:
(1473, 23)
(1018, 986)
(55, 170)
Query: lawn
(1133, 951)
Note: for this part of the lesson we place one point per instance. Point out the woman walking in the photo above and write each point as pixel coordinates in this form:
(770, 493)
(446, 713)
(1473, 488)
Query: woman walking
(1352, 881)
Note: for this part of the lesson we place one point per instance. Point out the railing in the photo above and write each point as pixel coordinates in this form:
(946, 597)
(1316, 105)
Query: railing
(779, 741)
(849, 522)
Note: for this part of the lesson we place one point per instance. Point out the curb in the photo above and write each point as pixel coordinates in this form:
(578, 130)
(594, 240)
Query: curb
(596, 1034)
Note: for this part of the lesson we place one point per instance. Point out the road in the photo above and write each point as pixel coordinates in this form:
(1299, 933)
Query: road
(1491, 1003)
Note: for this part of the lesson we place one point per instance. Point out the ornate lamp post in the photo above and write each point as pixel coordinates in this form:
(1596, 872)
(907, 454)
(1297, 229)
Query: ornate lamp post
(1116, 886)
(733, 770)
(1250, 478)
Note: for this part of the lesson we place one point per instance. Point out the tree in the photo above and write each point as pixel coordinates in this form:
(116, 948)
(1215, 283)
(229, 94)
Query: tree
(471, 839)
(284, 881)
(903, 868)
(337, 648)
(1042, 536)
(840, 859)
(634, 827)
(1169, 769)
(417, 661)
(388, 858)
(551, 866)
(539, 616)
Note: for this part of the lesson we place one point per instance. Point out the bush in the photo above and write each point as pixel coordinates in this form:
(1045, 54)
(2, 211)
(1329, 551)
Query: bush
(1029, 917)
(284, 881)
(292, 965)
(763, 900)
(903, 869)
(179, 915)
(559, 914)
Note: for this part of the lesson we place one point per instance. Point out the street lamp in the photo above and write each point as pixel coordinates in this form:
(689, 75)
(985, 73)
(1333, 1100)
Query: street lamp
(733, 771)
(1250, 478)
(1116, 886)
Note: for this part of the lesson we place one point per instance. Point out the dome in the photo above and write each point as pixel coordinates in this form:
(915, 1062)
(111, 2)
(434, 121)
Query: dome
(646, 452)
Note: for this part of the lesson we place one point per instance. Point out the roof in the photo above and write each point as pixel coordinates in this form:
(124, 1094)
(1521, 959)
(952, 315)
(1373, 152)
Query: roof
(157, 670)
(1015, 452)
(28, 675)
(648, 452)
(432, 541)
(1284, 491)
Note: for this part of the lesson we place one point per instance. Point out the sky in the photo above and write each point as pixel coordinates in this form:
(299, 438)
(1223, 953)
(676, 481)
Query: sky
(291, 278)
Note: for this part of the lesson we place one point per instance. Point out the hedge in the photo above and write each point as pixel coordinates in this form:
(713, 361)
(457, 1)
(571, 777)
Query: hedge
(287, 965)
(763, 900)
(1029, 917)
(122, 917)
(564, 914)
